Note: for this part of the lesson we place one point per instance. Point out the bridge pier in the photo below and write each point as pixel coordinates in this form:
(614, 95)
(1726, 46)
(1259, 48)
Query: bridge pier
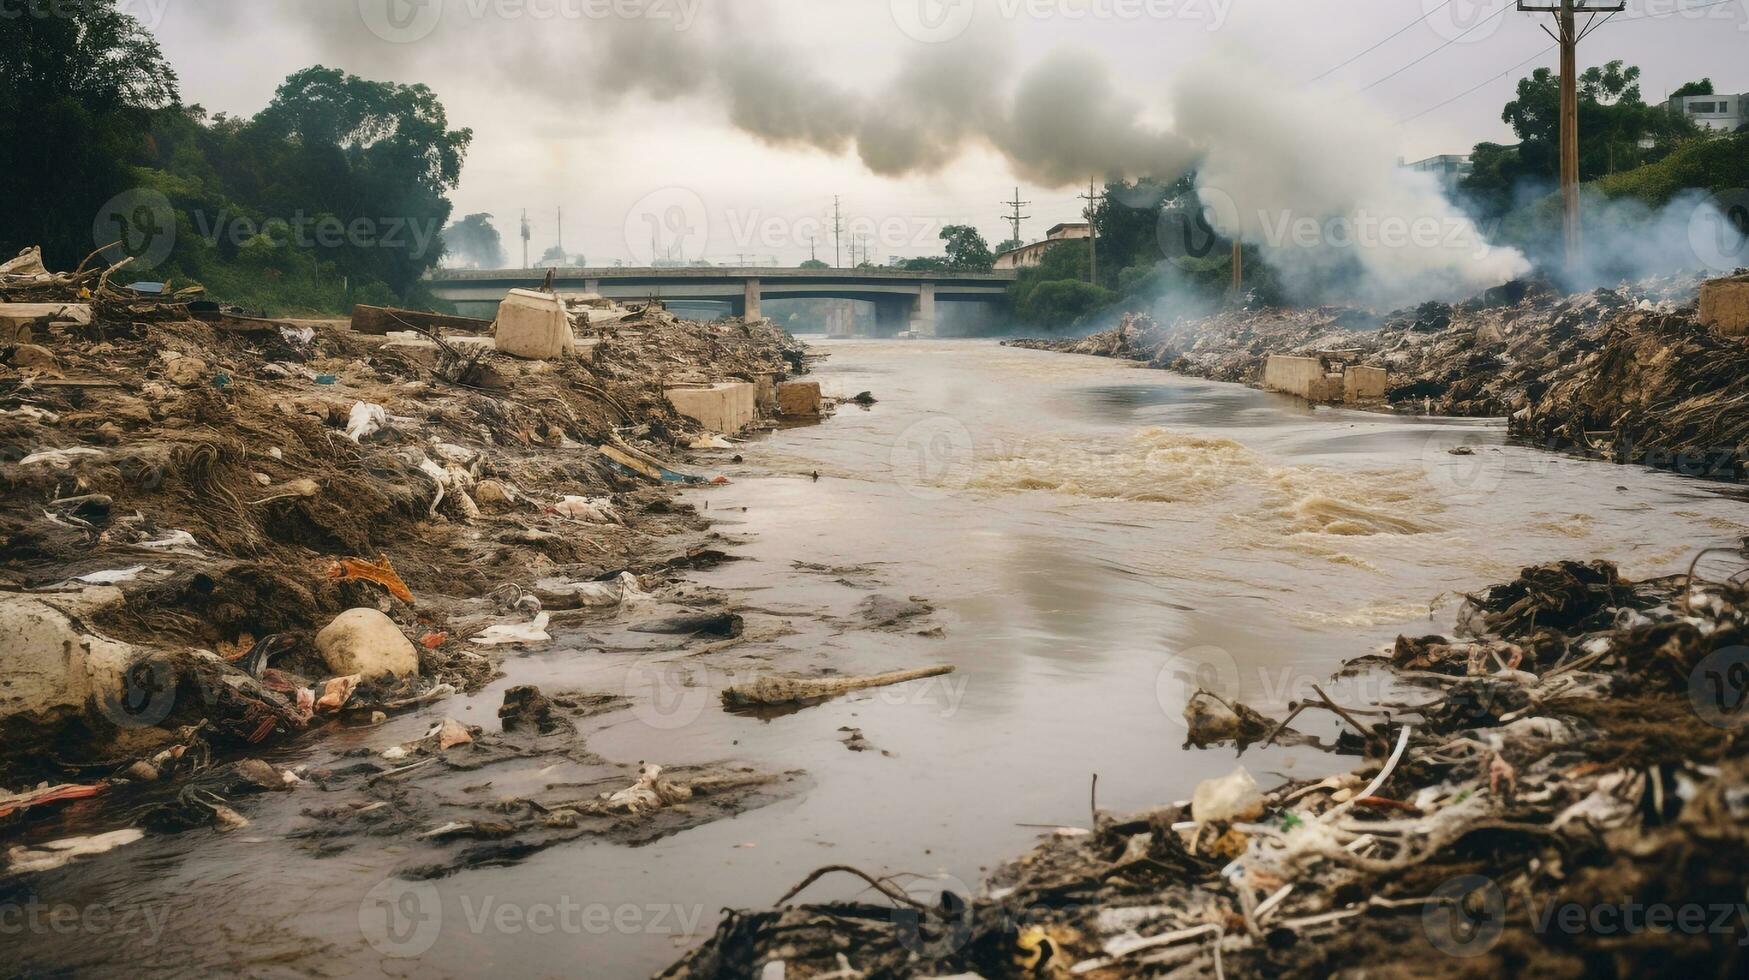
(923, 313)
(750, 301)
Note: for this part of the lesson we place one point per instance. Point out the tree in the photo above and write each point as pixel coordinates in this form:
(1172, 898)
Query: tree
(1009, 245)
(814, 264)
(77, 91)
(475, 242)
(1702, 87)
(966, 250)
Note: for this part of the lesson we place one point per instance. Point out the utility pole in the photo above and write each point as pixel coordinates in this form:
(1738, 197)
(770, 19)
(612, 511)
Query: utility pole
(1016, 218)
(560, 235)
(1092, 214)
(813, 244)
(525, 237)
(1568, 34)
(837, 235)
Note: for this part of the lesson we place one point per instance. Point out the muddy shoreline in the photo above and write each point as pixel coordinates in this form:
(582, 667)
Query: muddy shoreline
(197, 500)
(1566, 759)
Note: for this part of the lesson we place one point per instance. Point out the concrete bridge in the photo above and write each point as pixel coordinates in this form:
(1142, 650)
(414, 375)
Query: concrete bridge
(902, 300)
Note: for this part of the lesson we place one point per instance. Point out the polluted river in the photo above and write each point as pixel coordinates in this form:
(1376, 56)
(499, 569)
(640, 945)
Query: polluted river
(1084, 541)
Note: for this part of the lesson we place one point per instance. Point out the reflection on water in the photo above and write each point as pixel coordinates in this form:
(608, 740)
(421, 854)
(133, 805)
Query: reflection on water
(1078, 523)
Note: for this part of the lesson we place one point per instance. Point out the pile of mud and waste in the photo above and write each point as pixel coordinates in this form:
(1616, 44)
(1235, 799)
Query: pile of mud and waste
(1555, 789)
(223, 534)
(1629, 374)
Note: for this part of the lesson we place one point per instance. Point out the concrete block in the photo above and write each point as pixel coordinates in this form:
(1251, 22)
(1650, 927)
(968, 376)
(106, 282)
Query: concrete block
(1724, 306)
(534, 325)
(1364, 384)
(728, 407)
(799, 398)
(1302, 376)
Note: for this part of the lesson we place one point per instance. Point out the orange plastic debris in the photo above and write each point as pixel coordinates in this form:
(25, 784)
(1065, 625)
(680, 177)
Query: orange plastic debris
(234, 652)
(433, 640)
(381, 571)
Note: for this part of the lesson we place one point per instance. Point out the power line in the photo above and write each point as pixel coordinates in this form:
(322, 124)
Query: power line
(1381, 44)
(1017, 217)
(1435, 51)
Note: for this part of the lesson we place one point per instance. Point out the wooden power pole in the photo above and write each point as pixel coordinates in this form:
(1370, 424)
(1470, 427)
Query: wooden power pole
(1092, 214)
(1568, 34)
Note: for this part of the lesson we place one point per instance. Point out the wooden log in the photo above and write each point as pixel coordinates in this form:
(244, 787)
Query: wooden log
(381, 320)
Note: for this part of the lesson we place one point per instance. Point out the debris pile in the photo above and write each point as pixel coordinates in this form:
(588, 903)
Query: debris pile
(1627, 374)
(1573, 747)
(217, 530)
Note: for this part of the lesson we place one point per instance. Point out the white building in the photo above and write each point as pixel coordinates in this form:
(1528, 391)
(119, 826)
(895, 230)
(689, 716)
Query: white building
(1725, 112)
(1449, 168)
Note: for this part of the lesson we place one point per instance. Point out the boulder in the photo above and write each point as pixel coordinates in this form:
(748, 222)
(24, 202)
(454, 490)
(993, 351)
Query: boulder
(364, 641)
(57, 667)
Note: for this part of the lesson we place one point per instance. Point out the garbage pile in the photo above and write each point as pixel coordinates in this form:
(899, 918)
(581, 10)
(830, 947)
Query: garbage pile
(1627, 374)
(1560, 793)
(220, 530)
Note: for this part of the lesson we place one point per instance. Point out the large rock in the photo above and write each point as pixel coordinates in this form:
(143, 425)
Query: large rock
(534, 325)
(364, 641)
(56, 667)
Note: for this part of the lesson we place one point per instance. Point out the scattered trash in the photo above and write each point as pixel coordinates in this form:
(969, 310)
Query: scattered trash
(365, 421)
(507, 634)
(56, 854)
(722, 623)
(381, 571)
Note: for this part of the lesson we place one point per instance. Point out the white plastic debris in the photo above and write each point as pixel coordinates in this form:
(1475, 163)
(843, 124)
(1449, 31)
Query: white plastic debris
(620, 589)
(60, 459)
(1234, 796)
(297, 335)
(597, 511)
(172, 541)
(505, 634)
(710, 441)
(54, 854)
(113, 577)
(365, 421)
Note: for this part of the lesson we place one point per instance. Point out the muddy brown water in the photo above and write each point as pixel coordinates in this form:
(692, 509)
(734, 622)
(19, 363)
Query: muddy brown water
(1096, 539)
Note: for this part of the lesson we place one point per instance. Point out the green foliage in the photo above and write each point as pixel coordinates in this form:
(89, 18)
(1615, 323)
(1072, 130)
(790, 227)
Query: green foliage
(966, 250)
(1702, 87)
(814, 264)
(1613, 123)
(475, 242)
(925, 263)
(77, 90)
(334, 192)
(1717, 164)
(1009, 245)
(1062, 301)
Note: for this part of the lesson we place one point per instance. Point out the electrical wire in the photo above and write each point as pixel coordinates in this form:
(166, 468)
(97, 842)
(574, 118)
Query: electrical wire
(1380, 44)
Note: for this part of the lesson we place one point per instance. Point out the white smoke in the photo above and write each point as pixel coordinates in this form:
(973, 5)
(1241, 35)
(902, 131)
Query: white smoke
(1313, 180)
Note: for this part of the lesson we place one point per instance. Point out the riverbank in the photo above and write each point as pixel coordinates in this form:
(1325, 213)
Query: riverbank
(1624, 375)
(225, 535)
(1558, 789)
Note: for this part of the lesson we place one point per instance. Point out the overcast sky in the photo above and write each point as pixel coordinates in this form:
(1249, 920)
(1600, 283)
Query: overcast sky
(625, 112)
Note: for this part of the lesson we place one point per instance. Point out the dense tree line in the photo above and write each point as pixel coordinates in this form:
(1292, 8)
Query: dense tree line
(335, 193)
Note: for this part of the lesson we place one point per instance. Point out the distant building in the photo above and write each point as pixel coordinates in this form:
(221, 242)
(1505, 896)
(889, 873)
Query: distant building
(1448, 168)
(1027, 256)
(1726, 112)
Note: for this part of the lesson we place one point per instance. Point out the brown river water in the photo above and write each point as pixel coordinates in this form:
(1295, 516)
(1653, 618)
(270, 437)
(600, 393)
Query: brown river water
(1096, 538)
